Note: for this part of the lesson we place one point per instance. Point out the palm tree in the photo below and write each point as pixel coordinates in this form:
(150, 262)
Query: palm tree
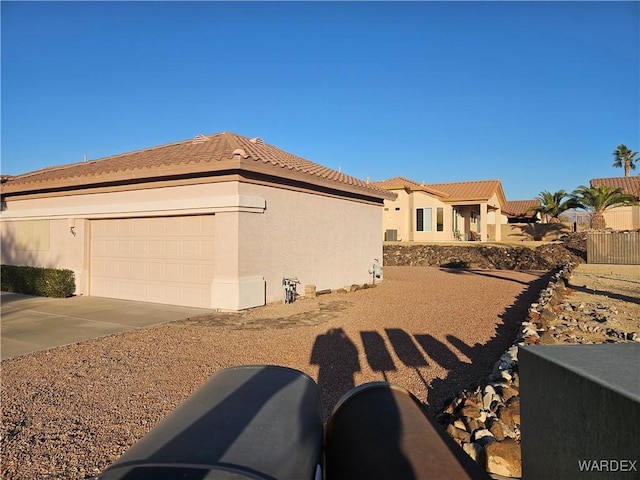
(553, 204)
(598, 199)
(625, 158)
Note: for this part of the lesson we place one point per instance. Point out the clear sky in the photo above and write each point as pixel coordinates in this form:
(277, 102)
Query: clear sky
(536, 94)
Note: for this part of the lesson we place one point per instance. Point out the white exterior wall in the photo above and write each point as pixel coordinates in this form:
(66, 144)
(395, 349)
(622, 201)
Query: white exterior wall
(323, 241)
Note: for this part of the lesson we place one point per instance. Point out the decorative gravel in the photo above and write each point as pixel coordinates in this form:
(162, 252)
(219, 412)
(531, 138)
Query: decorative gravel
(69, 412)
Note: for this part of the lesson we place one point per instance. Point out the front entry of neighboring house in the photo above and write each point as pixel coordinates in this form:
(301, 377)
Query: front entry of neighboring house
(153, 259)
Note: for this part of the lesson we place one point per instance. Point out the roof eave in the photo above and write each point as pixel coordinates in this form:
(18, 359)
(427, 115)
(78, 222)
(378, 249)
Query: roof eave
(122, 176)
(310, 179)
(215, 167)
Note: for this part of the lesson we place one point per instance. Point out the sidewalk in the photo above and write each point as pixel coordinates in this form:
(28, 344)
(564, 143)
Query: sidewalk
(29, 324)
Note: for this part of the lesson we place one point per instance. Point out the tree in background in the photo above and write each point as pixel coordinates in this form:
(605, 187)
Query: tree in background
(596, 200)
(553, 204)
(625, 158)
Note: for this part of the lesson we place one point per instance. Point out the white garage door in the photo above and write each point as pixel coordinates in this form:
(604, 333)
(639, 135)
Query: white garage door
(160, 259)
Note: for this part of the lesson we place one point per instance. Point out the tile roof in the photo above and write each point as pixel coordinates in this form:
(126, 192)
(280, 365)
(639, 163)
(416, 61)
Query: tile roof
(401, 183)
(455, 191)
(201, 154)
(627, 184)
(520, 208)
(473, 190)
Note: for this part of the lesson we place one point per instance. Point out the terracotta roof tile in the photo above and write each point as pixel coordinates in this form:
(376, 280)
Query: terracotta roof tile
(455, 191)
(201, 153)
(627, 184)
(401, 183)
(520, 208)
(473, 190)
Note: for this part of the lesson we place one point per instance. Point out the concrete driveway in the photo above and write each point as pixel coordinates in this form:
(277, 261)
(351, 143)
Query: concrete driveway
(29, 324)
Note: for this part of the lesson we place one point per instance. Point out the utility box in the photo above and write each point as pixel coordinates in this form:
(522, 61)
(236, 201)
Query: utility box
(580, 411)
(391, 235)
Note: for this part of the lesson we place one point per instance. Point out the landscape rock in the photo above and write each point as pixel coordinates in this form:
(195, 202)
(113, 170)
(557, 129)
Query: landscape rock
(483, 437)
(459, 436)
(514, 408)
(504, 414)
(474, 450)
(503, 257)
(469, 411)
(554, 318)
(496, 430)
(504, 458)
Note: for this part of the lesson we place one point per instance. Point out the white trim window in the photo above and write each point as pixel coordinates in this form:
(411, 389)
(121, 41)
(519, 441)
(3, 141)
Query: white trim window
(424, 219)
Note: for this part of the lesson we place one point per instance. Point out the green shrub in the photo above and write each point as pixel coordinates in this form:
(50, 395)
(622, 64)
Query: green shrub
(43, 282)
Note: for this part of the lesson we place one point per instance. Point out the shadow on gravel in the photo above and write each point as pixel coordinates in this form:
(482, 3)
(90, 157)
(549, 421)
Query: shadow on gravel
(337, 358)
(485, 273)
(466, 375)
(337, 355)
(605, 293)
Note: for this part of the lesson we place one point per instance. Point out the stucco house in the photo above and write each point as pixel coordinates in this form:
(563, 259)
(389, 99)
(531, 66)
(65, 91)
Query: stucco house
(215, 221)
(621, 218)
(442, 212)
(519, 211)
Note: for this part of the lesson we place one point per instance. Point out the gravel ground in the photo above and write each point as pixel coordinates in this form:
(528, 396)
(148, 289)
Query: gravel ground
(71, 411)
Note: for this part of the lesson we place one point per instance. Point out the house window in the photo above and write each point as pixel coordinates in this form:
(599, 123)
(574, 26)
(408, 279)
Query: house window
(440, 219)
(424, 220)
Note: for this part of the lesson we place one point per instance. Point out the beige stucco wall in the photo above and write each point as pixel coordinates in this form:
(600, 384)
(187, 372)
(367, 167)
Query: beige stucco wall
(323, 241)
(263, 233)
(73, 251)
(396, 215)
(56, 243)
(400, 215)
(623, 218)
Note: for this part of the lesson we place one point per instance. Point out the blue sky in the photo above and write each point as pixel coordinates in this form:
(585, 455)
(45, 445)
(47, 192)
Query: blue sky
(537, 94)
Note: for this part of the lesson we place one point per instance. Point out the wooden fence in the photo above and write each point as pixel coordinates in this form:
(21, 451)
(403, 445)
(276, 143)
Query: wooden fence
(622, 248)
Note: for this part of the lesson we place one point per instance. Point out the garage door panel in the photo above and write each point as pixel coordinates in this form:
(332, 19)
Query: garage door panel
(124, 247)
(164, 259)
(140, 247)
(156, 248)
(191, 248)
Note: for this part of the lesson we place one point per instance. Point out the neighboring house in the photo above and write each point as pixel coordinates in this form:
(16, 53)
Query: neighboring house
(519, 211)
(442, 212)
(215, 221)
(622, 218)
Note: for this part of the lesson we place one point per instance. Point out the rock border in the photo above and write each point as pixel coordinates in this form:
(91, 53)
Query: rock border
(485, 422)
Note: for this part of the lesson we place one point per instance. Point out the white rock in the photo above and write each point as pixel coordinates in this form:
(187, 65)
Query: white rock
(483, 437)
(473, 450)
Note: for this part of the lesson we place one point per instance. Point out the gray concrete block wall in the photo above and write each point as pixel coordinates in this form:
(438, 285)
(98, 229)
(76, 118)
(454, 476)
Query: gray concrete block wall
(580, 411)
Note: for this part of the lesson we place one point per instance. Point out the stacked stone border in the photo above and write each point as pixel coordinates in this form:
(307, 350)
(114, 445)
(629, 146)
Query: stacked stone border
(485, 422)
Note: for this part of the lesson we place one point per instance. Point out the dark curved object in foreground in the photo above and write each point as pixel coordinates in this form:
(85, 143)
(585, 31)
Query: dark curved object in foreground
(265, 423)
(250, 422)
(381, 431)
